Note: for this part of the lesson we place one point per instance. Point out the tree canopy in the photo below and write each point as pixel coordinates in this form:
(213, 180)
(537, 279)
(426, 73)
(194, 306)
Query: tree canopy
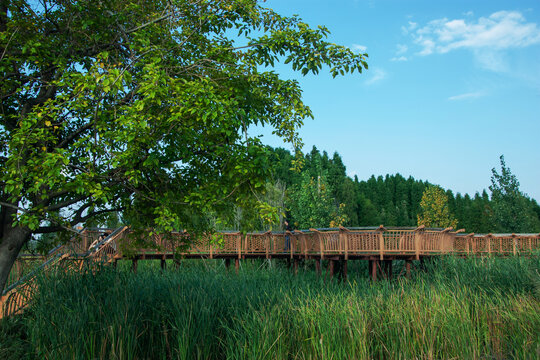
(512, 210)
(144, 107)
(434, 209)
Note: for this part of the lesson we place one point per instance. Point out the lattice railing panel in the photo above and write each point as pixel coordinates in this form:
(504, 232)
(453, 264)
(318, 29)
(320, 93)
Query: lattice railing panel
(331, 242)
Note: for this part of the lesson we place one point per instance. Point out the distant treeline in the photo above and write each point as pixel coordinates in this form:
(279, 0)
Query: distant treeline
(392, 200)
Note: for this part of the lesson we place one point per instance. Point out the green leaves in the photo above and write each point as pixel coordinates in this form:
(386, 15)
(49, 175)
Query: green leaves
(147, 106)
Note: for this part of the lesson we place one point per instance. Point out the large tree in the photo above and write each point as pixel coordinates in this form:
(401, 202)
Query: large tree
(143, 107)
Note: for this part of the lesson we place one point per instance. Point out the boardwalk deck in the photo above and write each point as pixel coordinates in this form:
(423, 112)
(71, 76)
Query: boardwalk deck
(378, 245)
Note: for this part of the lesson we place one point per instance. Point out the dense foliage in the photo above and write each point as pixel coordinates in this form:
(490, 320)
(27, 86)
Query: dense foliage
(143, 107)
(393, 200)
(459, 308)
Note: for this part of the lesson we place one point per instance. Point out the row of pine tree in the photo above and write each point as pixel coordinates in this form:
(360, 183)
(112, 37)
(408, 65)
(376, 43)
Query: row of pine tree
(321, 194)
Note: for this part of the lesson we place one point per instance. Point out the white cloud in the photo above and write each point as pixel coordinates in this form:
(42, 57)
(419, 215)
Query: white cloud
(399, 58)
(501, 30)
(358, 48)
(401, 49)
(378, 75)
(487, 37)
(466, 96)
(410, 27)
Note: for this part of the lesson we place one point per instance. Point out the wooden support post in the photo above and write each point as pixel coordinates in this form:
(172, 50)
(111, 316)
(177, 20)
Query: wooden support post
(418, 240)
(344, 270)
(321, 243)
(163, 263)
(134, 265)
(291, 243)
(381, 242)
(236, 265)
(267, 236)
(469, 242)
(295, 266)
(408, 269)
(227, 263)
(344, 239)
(331, 267)
(373, 269)
(304, 241)
(318, 266)
(115, 263)
(239, 245)
(387, 269)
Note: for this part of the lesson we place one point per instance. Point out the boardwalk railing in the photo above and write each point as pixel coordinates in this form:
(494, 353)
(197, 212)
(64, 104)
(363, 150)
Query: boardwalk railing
(345, 242)
(102, 246)
(65, 258)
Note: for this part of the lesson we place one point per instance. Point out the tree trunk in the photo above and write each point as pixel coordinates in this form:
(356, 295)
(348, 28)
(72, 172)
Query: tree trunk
(10, 245)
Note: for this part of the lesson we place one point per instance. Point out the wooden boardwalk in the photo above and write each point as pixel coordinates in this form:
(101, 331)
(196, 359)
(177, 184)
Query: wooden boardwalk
(378, 245)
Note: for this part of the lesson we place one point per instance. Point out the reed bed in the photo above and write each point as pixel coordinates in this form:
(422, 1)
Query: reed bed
(455, 308)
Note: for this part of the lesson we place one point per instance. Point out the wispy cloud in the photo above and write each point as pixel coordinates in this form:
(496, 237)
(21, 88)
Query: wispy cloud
(358, 48)
(467, 96)
(378, 75)
(401, 49)
(410, 27)
(399, 58)
(486, 37)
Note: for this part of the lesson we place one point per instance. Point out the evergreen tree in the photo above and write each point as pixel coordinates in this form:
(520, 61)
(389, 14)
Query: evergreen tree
(512, 210)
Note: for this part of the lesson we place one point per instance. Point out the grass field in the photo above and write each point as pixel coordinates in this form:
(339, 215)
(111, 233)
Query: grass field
(458, 308)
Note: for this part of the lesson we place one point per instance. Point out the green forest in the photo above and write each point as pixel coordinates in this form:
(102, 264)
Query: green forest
(321, 194)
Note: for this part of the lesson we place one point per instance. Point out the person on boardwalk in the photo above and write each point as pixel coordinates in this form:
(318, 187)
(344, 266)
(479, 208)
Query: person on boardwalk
(287, 227)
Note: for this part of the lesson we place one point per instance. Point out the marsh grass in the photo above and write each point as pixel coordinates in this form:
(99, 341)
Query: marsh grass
(457, 308)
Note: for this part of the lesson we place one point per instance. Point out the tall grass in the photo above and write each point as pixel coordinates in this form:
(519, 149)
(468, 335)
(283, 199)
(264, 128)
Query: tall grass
(457, 308)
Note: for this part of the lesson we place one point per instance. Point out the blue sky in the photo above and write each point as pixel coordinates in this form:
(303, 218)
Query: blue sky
(451, 86)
